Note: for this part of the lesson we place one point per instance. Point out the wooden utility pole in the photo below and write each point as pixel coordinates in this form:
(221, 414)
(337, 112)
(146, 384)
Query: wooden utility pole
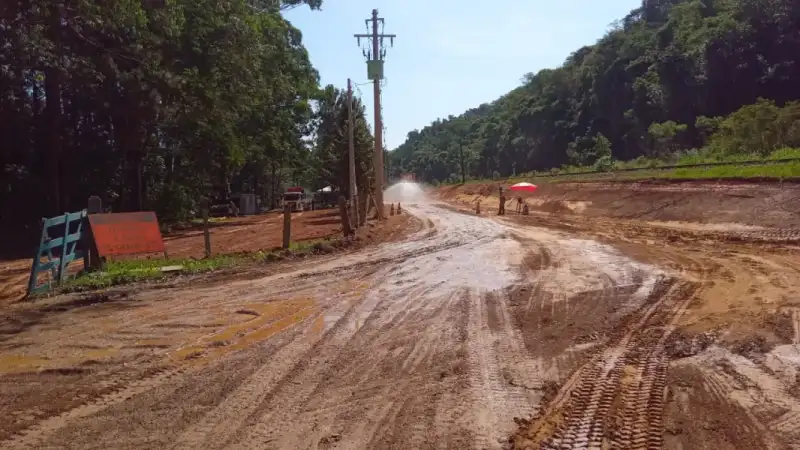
(287, 226)
(205, 204)
(375, 58)
(347, 229)
(352, 155)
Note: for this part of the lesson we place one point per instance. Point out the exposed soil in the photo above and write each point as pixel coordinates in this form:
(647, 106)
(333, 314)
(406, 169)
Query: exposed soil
(701, 203)
(553, 330)
(712, 364)
(252, 233)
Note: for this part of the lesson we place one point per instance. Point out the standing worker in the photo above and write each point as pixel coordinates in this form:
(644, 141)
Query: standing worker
(501, 211)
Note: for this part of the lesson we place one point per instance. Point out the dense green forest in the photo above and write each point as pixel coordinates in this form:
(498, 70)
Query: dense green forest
(153, 104)
(673, 77)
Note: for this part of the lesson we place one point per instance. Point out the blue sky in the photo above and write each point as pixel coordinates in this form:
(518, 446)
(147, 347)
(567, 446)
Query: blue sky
(450, 55)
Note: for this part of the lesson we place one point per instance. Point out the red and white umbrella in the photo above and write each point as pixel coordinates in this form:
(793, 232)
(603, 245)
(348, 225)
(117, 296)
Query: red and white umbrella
(523, 187)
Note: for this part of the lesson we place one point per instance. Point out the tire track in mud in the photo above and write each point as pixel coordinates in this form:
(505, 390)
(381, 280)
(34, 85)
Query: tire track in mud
(359, 380)
(118, 389)
(403, 340)
(173, 309)
(745, 277)
(413, 310)
(121, 391)
(212, 431)
(503, 379)
(743, 271)
(275, 412)
(410, 417)
(616, 399)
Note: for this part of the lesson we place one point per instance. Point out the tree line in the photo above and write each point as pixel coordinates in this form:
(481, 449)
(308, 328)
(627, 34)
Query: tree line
(671, 77)
(155, 104)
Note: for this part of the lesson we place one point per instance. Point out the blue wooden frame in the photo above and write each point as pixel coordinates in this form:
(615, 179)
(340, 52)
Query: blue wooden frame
(67, 244)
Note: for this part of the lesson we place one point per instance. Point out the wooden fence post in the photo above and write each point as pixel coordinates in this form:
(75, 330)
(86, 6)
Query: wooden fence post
(347, 230)
(206, 232)
(287, 225)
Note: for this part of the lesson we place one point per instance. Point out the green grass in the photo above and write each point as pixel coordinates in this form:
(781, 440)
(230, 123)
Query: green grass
(199, 221)
(653, 169)
(117, 273)
(124, 272)
(768, 170)
(777, 170)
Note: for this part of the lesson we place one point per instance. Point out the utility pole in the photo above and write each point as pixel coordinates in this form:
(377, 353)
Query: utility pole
(388, 163)
(375, 72)
(352, 155)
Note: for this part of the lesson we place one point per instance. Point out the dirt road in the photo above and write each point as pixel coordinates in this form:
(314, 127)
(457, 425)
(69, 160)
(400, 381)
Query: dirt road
(453, 338)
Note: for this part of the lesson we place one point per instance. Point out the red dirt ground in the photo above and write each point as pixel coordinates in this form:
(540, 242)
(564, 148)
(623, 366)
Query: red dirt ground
(773, 205)
(252, 233)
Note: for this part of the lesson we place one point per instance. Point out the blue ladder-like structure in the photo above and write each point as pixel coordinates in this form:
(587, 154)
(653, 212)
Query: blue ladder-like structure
(60, 250)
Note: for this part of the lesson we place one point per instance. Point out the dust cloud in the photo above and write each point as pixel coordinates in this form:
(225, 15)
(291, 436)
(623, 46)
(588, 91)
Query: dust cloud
(405, 192)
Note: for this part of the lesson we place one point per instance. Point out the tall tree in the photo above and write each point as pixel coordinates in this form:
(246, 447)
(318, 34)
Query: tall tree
(149, 103)
(331, 147)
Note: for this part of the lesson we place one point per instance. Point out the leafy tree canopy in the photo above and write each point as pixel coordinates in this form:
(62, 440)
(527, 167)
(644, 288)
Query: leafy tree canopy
(154, 104)
(651, 86)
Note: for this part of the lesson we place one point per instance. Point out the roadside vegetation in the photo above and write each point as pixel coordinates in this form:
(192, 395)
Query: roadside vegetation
(671, 84)
(153, 105)
(119, 272)
(783, 164)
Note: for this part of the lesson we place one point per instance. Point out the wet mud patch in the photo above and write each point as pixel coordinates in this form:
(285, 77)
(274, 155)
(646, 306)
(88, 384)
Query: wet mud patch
(682, 343)
(784, 324)
(615, 397)
(539, 259)
(698, 415)
(552, 323)
(553, 207)
(66, 388)
(494, 318)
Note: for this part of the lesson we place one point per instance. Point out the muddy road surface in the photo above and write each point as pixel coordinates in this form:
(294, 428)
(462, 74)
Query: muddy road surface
(472, 333)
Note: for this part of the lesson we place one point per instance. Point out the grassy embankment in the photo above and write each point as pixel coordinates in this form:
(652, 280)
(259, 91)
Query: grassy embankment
(767, 167)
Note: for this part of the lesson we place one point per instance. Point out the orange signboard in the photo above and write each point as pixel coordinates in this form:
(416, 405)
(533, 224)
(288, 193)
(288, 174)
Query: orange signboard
(132, 233)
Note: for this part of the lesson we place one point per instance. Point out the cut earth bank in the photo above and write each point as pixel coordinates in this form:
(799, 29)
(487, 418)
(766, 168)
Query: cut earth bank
(730, 348)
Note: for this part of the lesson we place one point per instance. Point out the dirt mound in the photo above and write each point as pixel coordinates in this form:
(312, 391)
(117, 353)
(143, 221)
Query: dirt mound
(773, 205)
(555, 207)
